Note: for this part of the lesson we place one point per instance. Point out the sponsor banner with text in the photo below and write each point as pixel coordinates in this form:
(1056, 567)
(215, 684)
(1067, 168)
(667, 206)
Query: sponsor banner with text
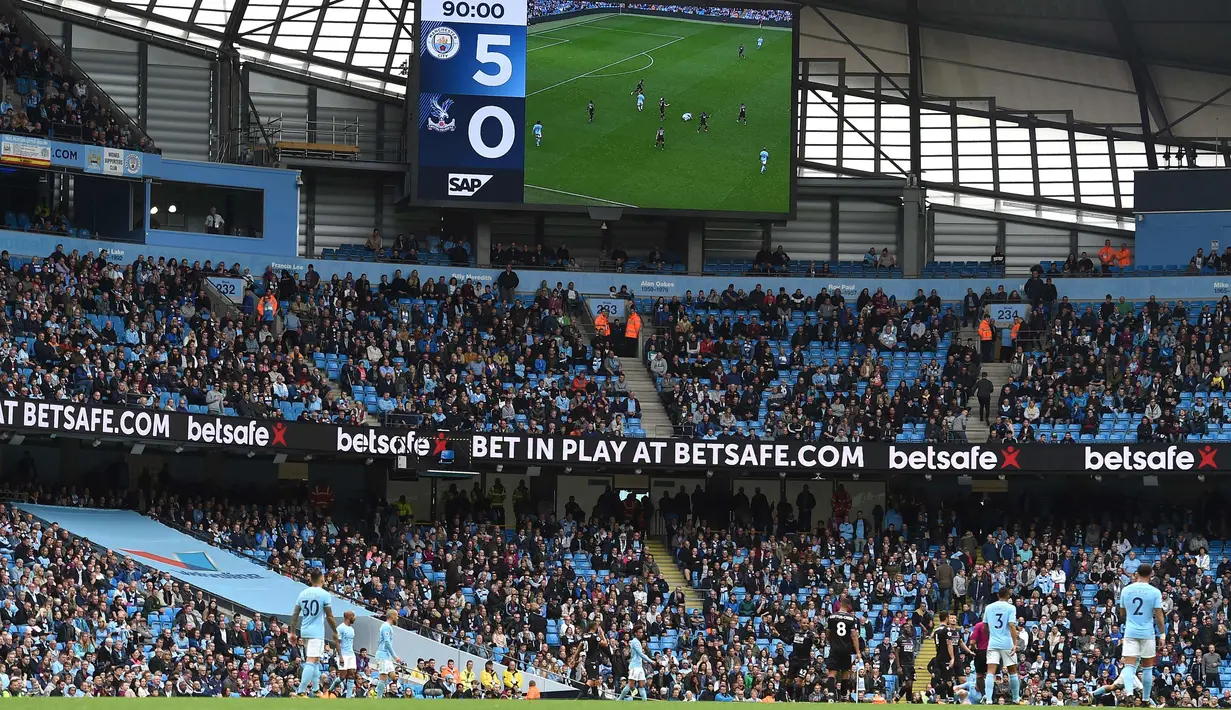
(432, 449)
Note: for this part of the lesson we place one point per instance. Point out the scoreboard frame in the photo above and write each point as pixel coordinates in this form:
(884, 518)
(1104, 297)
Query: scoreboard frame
(470, 177)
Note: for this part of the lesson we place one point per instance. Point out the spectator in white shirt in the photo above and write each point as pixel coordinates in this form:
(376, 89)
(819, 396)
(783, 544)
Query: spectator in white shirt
(214, 223)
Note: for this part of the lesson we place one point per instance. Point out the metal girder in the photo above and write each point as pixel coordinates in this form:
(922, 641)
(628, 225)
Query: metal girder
(914, 46)
(232, 29)
(1148, 101)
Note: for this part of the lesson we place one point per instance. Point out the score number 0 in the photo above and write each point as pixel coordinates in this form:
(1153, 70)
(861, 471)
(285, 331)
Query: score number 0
(486, 54)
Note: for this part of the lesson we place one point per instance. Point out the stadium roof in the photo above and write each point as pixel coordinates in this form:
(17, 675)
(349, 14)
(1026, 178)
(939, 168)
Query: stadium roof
(1181, 33)
(368, 42)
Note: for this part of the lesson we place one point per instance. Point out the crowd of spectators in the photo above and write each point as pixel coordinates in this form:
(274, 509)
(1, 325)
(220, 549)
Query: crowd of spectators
(1108, 260)
(86, 328)
(782, 365)
(40, 97)
(84, 622)
(1121, 371)
(904, 563)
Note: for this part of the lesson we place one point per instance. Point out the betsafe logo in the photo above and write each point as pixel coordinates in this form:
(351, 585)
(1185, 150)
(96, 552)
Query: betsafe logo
(975, 458)
(370, 442)
(1172, 458)
(466, 184)
(188, 561)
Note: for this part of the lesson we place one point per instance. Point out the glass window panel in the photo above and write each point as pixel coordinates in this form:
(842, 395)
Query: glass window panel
(941, 176)
(936, 135)
(900, 153)
(820, 123)
(857, 151)
(1104, 200)
(894, 123)
(859, 107)
(892, 110)
(1018, 188)
(937, 163)
(866, 166)
(867, 125)
(1124, 147)
(1055, 161)
(935, 149)
(1094, 175)
(965, 121)
(934, 120)
(1051, 134)
(968, 176)
(1012, 148)
(1056, 176)
(330, 43)
(1096, 188)
(294, 43)
(1094, 161)
(974, 134)
(972, 148)
(1056, 189)
(1018, 162)
(895, 138)
(1009, 133)
(978, 162)
(1053, 147)
(1130, 161)
(1016, 175)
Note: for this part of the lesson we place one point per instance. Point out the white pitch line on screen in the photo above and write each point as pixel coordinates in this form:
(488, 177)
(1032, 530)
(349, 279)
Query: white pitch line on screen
(571, 24)
(584, 197)
(595, 71)
(558, 41)
(622, 73)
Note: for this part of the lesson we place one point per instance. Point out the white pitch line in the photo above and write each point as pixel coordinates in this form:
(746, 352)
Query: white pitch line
(595, 71)
(622, 73)
(573, 24)
(584, 197)
(634, 32)
(558, 41)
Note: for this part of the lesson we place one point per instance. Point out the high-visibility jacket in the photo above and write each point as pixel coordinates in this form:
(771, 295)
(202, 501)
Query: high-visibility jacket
(267, 307)
(1124, 257)
(601, 326)
(632, 328)
(1017, 326)
(985, 330)
(1107, 255)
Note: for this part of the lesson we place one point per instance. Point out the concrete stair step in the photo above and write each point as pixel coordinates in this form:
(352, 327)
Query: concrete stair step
(674, 575)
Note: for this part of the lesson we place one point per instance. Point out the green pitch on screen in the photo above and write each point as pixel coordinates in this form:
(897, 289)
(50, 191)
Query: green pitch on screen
(695, 65)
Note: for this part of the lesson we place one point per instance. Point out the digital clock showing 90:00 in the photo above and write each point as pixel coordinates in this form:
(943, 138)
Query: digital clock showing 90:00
(479, 10)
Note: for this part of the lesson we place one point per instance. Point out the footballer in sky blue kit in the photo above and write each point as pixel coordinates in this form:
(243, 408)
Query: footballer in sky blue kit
(312, 614)
(1141, 609)
(640, 102)
(1001, 619)
(538, 133)
(386, 660)
(348, 668)
(760, 41)
(968, 693)
(764, 159)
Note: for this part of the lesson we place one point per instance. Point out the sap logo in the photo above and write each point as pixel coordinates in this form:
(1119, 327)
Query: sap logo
(465, 185)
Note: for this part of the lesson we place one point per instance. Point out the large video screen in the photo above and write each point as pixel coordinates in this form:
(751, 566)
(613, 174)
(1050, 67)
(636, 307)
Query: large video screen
(668, 108)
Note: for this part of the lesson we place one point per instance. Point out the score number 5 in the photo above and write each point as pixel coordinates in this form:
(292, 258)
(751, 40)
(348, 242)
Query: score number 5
(486, 54)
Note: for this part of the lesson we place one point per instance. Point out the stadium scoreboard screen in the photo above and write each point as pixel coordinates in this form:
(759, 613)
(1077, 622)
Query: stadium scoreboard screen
(559, 104)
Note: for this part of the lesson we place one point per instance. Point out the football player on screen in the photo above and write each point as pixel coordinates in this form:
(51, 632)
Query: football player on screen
(538, 133)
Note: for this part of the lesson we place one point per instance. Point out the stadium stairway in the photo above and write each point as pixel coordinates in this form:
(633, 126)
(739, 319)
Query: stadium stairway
(927, 651)
(998, 373)
(673, 574)
(654, 418)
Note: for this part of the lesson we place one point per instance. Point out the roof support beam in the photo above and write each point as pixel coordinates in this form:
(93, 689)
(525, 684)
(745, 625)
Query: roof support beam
(915, 49)
(232, 29)
(1148, 101)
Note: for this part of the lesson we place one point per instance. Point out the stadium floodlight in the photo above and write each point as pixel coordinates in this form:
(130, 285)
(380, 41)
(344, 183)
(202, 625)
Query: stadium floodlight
(154, 210)
(171, 209)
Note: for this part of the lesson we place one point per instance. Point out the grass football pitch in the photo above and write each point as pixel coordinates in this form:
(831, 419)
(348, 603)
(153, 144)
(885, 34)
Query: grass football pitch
(284, 703)
(695, 65)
